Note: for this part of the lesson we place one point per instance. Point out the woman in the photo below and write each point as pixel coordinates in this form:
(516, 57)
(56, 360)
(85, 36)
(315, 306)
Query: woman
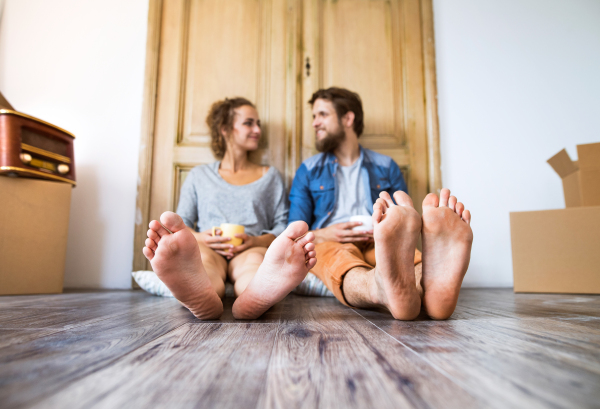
(233, 190)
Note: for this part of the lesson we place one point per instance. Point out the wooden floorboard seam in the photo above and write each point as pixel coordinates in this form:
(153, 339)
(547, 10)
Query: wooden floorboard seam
(434, 366)
(100, 368)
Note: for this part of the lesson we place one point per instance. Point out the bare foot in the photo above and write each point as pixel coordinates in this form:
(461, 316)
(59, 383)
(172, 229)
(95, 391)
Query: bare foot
(286, 263)
(447, 239)
(176, 260)
(396, 231)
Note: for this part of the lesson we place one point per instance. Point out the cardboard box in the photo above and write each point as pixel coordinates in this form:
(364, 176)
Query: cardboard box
(581, 179)
(558, 251)
(34, 216)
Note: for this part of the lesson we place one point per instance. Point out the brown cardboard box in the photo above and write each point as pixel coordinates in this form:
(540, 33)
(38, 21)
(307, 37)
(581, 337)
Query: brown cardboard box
(34, 220)
(581, 179)
(558, 251)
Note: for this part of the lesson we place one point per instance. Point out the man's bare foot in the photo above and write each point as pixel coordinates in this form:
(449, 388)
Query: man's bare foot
(396, 231)
(447, 239)
(176, 260)
(286, 263)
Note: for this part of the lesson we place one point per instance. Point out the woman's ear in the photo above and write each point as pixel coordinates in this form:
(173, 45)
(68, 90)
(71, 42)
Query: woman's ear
(224, 132)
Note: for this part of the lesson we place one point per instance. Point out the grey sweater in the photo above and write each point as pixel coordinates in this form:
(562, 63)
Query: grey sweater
(207, 200)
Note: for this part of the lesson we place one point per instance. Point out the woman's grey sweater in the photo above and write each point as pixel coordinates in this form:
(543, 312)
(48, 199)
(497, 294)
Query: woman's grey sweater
(207, 200)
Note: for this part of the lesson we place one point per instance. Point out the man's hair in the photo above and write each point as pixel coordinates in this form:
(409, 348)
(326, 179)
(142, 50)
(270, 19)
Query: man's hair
(221, 115)
(343, 101)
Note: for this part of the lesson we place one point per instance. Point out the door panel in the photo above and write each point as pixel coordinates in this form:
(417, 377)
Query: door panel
(363, 45)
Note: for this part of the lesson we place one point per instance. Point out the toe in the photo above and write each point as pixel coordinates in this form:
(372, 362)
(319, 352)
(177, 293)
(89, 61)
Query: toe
(466, 216)
(154, 235)
(459, 208)
(431, 200)
(444, 196)
(452, 202)
(158, 228)
(151, 244)
(386, 196)
(402, 199)
(296, 230)
(377, 212)
(172, 221)
(306, 240)
(148, 253)
(309, 247)
(311, 262)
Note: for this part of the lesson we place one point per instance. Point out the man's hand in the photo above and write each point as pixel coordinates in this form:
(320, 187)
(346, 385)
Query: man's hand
(343, 233)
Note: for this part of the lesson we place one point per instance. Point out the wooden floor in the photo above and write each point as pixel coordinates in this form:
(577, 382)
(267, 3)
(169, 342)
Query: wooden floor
(132, 350)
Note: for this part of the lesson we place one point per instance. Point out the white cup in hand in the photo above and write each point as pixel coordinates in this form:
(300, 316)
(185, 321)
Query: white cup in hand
(367, 223)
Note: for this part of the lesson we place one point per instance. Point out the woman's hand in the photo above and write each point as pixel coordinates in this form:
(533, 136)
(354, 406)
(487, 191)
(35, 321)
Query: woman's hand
(248, 242)
(216, 242)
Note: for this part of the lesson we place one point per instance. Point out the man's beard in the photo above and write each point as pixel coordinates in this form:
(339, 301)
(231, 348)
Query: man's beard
(331, 141)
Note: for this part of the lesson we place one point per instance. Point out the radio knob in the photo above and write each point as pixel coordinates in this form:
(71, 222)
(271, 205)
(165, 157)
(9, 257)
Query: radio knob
(26, 158)
(63, 169)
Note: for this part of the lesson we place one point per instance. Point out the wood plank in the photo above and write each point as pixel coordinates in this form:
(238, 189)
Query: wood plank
(35, 369)
(328, 356)
(508, 361)
(209, 365)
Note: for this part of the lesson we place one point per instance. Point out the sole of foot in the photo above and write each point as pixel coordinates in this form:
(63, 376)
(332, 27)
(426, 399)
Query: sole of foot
(396, 229)
(175, 258)
(286, 263)
(447, 240)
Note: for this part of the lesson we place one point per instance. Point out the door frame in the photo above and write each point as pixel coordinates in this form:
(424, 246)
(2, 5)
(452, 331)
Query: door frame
(294, 122)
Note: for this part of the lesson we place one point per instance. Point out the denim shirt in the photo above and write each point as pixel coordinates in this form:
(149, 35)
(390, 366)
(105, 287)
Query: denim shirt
(314, 190)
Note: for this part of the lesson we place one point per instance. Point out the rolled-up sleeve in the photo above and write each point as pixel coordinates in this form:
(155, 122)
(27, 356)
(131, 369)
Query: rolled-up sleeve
(301, 201)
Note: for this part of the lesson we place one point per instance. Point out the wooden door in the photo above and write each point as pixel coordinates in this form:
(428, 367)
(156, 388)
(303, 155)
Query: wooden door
(277, 53)
(374, 48)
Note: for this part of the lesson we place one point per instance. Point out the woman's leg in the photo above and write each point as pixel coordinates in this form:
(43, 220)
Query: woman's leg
(216, 268)
(243, 267)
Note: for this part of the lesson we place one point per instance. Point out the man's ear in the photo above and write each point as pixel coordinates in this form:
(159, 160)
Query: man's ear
(348, 119)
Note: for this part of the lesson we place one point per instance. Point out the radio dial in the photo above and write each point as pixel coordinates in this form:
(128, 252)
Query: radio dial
(26, 158)
(63, 169)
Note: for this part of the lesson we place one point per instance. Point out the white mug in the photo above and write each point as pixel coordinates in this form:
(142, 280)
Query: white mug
(367, 222)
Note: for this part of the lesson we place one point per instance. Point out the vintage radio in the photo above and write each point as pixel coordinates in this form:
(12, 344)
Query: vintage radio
(34, 148)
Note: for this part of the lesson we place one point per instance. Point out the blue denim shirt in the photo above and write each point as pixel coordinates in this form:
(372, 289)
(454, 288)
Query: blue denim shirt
(314, 190)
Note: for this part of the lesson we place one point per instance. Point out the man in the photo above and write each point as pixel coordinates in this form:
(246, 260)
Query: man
(378, 267)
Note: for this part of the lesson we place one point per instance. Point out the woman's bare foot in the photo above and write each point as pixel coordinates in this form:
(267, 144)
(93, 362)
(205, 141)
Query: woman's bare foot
(176, 260)
(447, 239)
(396, 231)
(286, 263)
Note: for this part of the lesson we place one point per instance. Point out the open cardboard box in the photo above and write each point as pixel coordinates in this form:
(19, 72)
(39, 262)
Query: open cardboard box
(558, 251)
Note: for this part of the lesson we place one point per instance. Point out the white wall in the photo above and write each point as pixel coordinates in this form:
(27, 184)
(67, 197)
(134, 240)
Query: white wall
(518, 81)
(80, 65)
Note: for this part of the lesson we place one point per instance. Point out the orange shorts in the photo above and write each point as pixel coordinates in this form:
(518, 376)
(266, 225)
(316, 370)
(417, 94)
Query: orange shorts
(334, 260)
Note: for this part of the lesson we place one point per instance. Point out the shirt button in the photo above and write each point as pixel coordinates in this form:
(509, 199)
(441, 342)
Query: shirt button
(321, 187)
(328, 213)
(334, 174)
(378, 186)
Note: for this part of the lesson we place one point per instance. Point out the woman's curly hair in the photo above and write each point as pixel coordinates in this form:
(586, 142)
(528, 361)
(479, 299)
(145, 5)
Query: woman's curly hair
(221, 116)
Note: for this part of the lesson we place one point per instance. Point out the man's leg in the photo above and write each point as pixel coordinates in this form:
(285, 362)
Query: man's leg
(392, 283)
(369, 254)
(447, 240)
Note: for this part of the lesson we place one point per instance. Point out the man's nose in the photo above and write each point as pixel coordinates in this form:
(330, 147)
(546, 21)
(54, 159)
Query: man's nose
(316, 123)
